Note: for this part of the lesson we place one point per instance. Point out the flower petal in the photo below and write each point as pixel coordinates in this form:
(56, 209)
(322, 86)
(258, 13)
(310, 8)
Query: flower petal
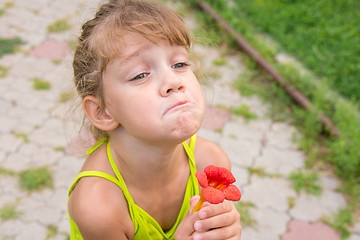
(202, 179)
(219, 175)
(232, 193)
(212, 171)
(213, 195)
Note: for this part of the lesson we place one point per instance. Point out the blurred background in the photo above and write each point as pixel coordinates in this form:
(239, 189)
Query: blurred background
(297, 177)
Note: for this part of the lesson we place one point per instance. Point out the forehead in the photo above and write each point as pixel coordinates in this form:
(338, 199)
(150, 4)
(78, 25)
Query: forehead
(133, 44)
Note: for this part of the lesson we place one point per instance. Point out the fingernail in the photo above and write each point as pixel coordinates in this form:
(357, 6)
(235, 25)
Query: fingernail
(197, 226)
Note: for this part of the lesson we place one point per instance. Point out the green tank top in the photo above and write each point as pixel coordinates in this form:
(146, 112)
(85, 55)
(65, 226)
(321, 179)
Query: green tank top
(145, 226)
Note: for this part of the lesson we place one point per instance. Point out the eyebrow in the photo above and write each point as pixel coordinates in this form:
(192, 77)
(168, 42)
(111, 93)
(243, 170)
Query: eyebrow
(131, 54)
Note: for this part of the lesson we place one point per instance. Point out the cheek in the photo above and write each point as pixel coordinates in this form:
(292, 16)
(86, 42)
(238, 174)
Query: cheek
(116, 105)
(141, 108)
(198, 98)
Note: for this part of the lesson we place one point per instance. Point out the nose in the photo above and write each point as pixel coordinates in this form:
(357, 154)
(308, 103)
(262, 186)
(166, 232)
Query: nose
(171, 83)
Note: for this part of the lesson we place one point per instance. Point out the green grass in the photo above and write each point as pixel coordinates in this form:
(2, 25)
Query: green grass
(66, 96)
(41, 84)
(73, 44)
(60, 25)
(36, 179)
(6, 6)
(3, 71)
(9, 212)
(307, 181)
(245, 85)
(52, 231)
(9, 4)
(24, 136)
(323, 34)
(341, 222)
(291, 202)
(244, 111)
(220, 61)
(257, 171)
(4, 171)
(219, 130)
(59, 149)
(9, 45)
(243, 208)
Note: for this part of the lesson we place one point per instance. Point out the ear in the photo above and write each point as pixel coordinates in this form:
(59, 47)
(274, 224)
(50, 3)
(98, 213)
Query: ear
(98, 116)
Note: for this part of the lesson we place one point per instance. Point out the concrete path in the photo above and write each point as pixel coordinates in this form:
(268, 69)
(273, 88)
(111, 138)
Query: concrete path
(36, 132)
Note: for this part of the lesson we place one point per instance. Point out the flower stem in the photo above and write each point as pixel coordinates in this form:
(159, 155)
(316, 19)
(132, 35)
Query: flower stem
(200, 202)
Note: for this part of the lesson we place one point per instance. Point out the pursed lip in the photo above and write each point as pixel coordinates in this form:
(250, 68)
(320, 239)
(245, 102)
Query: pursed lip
(177, 105)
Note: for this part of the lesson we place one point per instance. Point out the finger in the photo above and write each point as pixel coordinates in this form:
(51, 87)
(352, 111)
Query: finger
(191, 217)
(230, 232)
(193, 201)
(206, 204)
(186, 227)
(215, 209)
(218, 221)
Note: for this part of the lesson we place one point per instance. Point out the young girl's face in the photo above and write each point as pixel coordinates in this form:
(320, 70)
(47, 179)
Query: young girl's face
(152, 92)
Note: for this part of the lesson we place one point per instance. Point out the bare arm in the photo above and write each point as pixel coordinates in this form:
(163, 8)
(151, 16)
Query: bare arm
(208, 153)
(100, 210)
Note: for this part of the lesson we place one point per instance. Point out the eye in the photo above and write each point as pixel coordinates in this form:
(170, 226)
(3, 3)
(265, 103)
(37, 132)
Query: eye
(180, 65)
(140, 76)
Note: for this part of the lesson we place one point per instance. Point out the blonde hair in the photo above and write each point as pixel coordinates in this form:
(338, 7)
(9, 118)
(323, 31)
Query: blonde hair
(100, 38)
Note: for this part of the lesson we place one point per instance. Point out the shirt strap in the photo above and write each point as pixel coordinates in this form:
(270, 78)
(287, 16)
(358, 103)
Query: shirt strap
(92, 174)
(192, 143)
(96, 145)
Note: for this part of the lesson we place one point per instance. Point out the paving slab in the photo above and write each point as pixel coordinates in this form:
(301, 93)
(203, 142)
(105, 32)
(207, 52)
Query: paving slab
(313, 208)
(241, 152)
(269, 192)
(270, 220)
(242, 176)
(354, 237)
(356, 228)
(300, 230)
(252, 130)
(51, 49)
(280, 161)
(255, 234)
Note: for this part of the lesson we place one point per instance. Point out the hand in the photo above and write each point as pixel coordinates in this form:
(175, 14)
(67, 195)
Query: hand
(186, 228)
(218, 221)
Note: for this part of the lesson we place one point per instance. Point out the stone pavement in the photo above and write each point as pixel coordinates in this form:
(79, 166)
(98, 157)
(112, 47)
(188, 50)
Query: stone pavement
(36, 132)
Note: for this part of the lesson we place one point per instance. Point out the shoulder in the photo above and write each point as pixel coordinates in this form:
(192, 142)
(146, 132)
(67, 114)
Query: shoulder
(100, 210)
(208, 153)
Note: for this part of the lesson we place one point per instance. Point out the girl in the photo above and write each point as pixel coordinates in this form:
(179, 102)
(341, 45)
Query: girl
(144, 105)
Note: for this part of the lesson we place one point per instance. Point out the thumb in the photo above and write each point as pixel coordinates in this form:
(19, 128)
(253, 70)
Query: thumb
(193, 202)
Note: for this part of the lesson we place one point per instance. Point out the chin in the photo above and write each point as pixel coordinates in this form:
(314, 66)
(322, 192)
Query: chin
(186, 127)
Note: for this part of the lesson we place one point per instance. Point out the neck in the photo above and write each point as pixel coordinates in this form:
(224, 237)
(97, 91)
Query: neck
(148, 165)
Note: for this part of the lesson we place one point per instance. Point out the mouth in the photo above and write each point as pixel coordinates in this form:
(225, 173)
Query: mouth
(177, 106)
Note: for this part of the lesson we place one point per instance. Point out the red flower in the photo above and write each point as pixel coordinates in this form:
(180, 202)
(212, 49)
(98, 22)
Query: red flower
(216, 183)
